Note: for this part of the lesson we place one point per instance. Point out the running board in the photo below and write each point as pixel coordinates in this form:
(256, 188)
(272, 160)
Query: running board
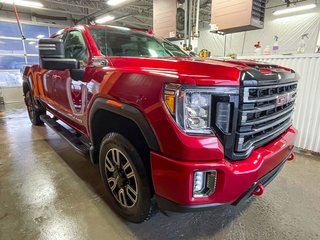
(70, 137)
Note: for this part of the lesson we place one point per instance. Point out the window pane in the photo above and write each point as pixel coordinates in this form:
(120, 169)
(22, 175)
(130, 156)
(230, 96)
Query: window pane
(32, 31)
(54, 30)
(31, 47)
(115, 42)
(12, 62)
(8, 46)
(32, 60)
(75, 46)
(8, 29)
(10, 78)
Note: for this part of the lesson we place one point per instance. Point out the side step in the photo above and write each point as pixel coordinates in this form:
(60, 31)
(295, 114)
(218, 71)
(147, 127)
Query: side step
(70, 137)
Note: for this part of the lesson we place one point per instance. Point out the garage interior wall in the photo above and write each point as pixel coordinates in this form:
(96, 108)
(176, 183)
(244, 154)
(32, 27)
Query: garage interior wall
(288, 28)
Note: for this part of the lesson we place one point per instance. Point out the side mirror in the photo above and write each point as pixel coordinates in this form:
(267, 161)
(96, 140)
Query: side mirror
(52, 57)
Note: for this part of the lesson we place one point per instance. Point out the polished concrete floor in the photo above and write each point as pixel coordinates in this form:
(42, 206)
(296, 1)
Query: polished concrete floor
(49, 191)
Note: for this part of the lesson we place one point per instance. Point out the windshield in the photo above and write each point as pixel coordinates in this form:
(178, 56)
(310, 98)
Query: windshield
(115, 42)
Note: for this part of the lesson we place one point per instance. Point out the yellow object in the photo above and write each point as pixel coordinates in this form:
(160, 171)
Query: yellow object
(170, 101)
(204, 53)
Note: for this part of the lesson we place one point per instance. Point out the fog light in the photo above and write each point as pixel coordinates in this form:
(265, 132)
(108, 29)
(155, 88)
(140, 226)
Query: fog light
(198, 181)
(204, 183)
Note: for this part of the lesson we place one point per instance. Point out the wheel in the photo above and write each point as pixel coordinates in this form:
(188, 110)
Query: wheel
(125, 178)
(33, 112)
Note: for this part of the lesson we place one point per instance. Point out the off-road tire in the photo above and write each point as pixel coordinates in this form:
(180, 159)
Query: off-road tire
(143, 208)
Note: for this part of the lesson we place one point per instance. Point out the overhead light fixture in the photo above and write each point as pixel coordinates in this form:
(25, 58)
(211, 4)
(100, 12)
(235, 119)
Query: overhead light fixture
(120, 28)
(23, 3)
(104, 19)
(115, 2)
(294, 9)
(40, 36)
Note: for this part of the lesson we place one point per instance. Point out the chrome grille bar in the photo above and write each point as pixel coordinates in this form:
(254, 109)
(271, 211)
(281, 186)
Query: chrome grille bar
(242, 146)
(260, 129)
(279, 89)
(267, 118)
(264, 108)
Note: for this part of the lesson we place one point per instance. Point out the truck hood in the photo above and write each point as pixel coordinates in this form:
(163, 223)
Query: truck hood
(186, 70)
(198, 71)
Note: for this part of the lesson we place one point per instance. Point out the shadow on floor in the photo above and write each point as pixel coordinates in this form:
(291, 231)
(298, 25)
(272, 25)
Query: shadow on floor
(161, 226)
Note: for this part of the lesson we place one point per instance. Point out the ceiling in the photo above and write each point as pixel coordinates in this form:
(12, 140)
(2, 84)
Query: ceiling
(132, 13)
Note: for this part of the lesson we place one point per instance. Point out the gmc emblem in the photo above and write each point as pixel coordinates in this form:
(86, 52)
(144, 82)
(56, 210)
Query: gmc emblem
(283, 99)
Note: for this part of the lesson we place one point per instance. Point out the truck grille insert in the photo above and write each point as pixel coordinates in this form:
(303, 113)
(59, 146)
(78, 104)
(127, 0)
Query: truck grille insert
(265, 112)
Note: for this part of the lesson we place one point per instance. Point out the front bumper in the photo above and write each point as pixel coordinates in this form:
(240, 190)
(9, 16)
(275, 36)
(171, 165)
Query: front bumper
(173, 179)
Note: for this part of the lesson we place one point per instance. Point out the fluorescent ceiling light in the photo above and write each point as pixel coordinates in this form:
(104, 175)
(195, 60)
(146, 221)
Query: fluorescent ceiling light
(295, 9)
(115, 2)
(104, 19)
(24, 3)
(40, 36)
(121, 28)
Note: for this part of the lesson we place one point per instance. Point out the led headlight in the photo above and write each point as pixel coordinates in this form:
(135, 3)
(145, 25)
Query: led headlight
(197, 112)
(192, 110)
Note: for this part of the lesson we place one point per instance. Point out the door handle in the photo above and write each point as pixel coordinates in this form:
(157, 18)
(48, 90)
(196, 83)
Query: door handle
(56, 77)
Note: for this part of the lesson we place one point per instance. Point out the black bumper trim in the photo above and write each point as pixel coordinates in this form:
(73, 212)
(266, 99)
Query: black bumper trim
(167, 205)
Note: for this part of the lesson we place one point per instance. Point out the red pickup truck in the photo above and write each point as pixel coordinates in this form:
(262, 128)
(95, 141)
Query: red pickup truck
(169, 131)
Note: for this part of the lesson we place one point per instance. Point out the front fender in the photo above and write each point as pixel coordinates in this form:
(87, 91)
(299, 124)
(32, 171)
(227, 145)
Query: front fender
(129, 112)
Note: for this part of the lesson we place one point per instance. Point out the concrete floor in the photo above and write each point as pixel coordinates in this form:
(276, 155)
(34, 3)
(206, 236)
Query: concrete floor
(49, 191)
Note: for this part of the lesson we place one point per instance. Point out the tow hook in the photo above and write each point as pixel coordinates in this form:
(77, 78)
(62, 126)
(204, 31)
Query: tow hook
(259, 190)
(291, 157)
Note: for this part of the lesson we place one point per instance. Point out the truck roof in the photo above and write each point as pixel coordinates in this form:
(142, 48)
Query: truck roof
(120, 28)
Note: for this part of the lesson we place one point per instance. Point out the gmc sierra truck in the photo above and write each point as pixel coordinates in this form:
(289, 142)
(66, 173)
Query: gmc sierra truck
(168, 131)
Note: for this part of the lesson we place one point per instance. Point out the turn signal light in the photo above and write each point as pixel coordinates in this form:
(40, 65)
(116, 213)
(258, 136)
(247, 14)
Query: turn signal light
(170, 102)
(169, 96)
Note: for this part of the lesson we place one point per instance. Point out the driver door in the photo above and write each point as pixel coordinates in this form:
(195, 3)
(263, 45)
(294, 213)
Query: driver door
(70, 94)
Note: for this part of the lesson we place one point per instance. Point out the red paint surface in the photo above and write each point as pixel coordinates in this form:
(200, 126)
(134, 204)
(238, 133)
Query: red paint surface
(173, 179)
(139, 82)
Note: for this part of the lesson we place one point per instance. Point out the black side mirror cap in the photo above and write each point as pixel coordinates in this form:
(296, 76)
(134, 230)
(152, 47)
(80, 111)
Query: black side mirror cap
(59, 63)
(77, 74)
(51, 48)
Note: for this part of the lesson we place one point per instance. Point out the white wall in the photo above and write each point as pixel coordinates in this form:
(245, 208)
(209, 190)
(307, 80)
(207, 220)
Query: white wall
(289, 28)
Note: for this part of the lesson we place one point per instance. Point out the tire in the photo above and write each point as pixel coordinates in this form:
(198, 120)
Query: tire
(125, 178)
(33, 112)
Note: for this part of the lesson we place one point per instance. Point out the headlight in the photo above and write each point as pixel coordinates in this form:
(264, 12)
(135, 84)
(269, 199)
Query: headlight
(192, 107)
(196, 112)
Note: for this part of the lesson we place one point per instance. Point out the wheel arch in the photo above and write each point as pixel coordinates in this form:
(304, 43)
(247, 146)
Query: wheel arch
(124, 119)
(27, 83)
(26, 86)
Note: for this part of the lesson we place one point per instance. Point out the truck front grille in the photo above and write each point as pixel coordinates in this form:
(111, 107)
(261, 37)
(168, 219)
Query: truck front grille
(265, 112)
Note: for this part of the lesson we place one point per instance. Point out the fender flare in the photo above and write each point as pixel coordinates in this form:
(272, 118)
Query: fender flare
(128, 112)
(26, 83)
